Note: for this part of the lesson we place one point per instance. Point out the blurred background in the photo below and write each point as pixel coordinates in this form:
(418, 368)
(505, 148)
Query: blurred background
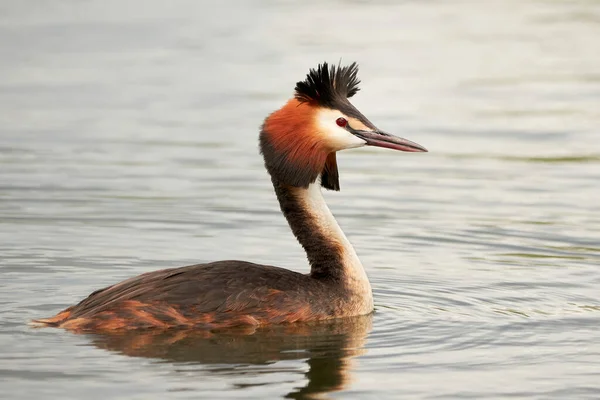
(128, 143)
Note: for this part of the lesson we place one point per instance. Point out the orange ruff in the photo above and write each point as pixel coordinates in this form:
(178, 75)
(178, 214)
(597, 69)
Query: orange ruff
(292, 131)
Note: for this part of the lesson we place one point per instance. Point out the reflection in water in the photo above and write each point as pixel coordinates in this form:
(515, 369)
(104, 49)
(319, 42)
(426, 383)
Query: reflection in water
(328, 347)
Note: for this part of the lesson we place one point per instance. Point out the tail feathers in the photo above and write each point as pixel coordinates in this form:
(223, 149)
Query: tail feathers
(55, 321)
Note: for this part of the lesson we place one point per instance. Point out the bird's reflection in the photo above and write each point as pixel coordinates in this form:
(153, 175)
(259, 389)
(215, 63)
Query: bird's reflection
(327, 346)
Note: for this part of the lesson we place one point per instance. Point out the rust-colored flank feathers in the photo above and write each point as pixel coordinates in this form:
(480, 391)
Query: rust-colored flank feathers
(206, 296)
(298, 143)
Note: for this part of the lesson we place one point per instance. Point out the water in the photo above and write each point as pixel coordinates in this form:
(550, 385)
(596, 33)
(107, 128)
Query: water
(128, 143)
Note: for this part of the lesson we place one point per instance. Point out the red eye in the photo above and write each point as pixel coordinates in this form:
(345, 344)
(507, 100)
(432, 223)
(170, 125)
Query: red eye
(341, 122)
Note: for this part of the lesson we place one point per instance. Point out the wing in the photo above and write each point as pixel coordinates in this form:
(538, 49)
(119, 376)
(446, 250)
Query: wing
(214, 295)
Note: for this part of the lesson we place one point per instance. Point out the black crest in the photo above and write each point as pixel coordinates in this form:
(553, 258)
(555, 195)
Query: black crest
(328, 84)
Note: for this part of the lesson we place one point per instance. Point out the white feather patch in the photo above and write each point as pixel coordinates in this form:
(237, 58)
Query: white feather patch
(335, 136)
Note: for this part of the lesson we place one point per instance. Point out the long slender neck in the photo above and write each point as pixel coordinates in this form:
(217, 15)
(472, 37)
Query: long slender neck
(330, 254)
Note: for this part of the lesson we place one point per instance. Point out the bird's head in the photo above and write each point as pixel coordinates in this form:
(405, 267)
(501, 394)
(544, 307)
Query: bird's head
(300, 140)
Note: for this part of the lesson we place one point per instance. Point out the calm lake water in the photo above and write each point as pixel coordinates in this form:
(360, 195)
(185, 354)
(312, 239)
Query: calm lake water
(128, 143)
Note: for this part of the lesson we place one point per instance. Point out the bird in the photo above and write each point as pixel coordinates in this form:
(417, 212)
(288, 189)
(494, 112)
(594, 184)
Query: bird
(298, 143)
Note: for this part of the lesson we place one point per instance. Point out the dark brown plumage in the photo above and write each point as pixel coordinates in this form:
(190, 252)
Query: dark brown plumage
(200, 296)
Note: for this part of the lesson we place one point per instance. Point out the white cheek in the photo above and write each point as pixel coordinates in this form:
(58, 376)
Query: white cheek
(335, 136)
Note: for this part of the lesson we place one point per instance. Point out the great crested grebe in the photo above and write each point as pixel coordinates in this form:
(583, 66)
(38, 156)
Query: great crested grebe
(299, 143)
